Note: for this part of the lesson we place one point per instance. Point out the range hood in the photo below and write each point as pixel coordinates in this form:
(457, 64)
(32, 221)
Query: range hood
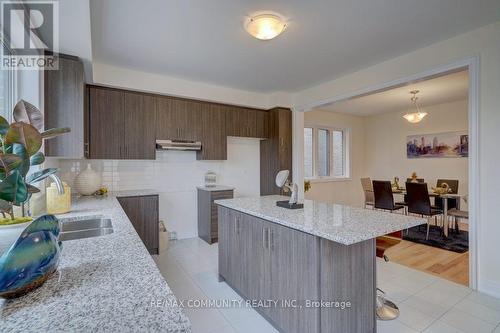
(178, 145)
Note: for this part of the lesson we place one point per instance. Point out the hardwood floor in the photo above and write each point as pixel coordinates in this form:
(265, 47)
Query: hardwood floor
(442, 263)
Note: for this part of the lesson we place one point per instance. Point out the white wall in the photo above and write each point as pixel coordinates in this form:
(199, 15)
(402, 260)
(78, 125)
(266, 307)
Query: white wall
(348, 191)
(175, 175)
(385, 145)
(484, 43)
(105, 74)
(75, 34)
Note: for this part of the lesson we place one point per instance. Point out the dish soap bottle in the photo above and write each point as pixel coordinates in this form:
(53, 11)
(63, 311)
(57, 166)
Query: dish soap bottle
(58, 203)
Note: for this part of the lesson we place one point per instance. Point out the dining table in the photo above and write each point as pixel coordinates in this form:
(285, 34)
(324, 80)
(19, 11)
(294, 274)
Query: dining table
(402, 191)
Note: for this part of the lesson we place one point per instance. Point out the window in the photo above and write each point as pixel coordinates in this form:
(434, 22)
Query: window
(338, 153)
(308, 152)
(6, 90)
(325, 153)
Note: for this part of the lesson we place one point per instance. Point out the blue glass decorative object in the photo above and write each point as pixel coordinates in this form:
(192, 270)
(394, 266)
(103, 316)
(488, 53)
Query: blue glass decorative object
(32, 259)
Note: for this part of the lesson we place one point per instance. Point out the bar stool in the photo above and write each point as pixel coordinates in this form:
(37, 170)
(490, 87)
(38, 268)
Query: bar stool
(386, 309)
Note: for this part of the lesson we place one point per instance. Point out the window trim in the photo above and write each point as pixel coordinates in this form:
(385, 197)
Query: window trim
(12, 77)
(346, 149)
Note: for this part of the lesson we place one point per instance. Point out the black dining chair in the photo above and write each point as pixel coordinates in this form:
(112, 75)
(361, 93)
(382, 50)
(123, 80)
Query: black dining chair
(384, 199)
(452, 202)
(419, 203)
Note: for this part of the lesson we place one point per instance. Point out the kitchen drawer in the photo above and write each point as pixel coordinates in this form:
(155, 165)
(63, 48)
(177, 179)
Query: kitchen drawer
(219, 195)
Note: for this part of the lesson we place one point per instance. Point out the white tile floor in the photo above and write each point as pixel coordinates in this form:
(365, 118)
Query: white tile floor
(428, 304)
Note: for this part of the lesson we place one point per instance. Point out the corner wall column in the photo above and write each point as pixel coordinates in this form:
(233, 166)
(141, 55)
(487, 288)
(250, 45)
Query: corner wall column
(298, 151)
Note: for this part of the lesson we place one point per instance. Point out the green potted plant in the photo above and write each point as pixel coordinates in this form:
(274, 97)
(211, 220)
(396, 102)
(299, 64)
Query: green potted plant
(20, 144)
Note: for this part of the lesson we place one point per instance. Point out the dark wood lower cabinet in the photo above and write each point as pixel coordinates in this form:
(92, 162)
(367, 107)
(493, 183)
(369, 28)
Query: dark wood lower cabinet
(294, 255)
(265, 261)
(207, 212)
(143, 213)
(348, 274)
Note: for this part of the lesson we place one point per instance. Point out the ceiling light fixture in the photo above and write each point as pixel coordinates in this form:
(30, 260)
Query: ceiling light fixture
(265, 26)
(415, 117)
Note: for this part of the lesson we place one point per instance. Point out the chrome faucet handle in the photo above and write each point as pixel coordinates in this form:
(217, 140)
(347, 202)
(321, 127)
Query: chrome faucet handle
(59, 184)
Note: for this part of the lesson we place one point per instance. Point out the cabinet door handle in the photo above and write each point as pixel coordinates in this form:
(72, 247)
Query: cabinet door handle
(264, 238)
(86, 150)
(270, 239)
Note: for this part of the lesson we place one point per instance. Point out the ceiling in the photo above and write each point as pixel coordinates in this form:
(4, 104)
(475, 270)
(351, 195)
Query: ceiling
(205, 41)
(443, 89)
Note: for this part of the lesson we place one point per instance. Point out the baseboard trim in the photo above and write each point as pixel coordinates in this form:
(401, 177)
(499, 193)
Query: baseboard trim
(490, 287)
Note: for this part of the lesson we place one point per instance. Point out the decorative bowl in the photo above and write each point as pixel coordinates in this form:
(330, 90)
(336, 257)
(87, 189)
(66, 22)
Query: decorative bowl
(9, 233)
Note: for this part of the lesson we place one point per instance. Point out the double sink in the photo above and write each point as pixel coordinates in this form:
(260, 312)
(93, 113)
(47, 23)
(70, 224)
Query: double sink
(88, 228)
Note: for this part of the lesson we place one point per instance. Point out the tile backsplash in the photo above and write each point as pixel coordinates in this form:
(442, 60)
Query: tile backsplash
(175, 174)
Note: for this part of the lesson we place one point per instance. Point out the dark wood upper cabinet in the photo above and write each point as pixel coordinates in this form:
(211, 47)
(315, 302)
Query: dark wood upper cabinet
(121, 124)
(139, 116)
(246, 122)
(180, 119)
(213, 135)
(177, 118)
(165, 125)
(262, 124)
(276, 152)
(64, 107)
(106, 124)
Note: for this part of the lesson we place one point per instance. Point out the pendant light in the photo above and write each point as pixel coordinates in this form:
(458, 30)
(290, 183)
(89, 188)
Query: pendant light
(415, 117)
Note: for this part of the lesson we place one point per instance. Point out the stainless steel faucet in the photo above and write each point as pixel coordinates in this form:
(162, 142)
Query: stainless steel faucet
(59, 184)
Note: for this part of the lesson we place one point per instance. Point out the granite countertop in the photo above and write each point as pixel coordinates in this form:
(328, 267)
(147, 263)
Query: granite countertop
(108, 283)
(215, 188)
(342, 224)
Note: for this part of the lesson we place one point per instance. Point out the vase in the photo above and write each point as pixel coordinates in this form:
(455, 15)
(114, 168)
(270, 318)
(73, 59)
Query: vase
(32, 259)
(87, 182)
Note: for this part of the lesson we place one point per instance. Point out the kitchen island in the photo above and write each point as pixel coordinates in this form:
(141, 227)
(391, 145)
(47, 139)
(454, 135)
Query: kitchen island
(305, 270)
(103, 284)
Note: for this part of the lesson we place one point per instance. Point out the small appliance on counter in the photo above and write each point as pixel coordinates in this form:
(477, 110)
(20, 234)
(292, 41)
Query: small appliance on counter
(58, 203)
(210, 179)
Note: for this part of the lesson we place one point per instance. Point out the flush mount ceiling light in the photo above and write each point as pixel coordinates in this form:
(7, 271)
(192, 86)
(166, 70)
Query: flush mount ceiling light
(415, 117)
(265, 26)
